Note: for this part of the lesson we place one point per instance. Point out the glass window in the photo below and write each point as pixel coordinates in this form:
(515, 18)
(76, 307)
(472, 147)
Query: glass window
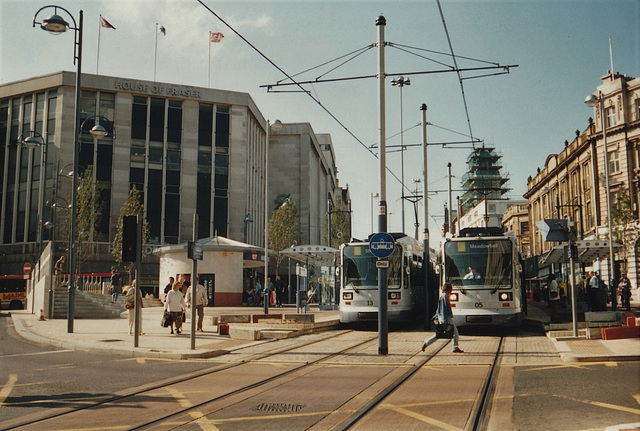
(139, 118)
(155, 154)
(614, 162)
(205, 125)
(174, 122)
(610, 115)
(156, 120)
(105, 160)
(171, 218)
(478, 263)
(154, 205)
(222, 126)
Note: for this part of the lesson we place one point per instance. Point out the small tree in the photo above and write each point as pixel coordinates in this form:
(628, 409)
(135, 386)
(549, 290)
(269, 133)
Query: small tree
(625, 226)
(340, 224)
(132, 207)
(90, 208)
(283, 229)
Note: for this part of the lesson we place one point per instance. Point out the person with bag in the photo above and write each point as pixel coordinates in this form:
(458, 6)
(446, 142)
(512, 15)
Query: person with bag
(174, 305)
(443, 320)
(625, 292)
(129, 304)
(554, 293)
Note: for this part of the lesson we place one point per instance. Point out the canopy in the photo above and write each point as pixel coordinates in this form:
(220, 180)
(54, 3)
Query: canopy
(303, 253)
(588, 251)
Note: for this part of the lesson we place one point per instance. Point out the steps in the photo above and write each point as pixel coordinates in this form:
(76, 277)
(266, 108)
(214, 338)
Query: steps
(93, 306)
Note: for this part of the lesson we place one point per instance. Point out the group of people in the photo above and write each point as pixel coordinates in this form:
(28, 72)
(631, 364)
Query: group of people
(179, 297)
(597, 294)
(259, 295)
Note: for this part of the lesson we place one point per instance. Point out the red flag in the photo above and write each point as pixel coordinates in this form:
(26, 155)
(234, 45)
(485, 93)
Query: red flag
(106, 24)
(215, 37)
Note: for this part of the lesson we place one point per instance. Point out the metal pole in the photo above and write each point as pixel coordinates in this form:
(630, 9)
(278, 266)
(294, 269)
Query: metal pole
(74, 189)
(266, 220)
(383, 323)
(402, 156)
(194, 284)
(138, 293)
(54, 197)
(574, 302)
(607, 187)
(450, 221)
(425, 238)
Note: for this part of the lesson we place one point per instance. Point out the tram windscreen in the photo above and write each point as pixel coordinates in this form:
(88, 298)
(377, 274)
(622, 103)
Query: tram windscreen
(359, 267)
(479, 263)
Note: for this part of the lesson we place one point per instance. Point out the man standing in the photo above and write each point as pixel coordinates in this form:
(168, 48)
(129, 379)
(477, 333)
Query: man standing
(115, 285)
(625, 292)
(279, 291)
(200, 301)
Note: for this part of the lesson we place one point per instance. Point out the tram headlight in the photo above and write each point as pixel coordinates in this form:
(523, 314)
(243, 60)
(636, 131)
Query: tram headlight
(395, 295)
(505, 296)
(454, 297)
(347, 296)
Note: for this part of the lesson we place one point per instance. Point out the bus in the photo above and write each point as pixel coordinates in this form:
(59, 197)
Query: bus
(483, 266)
(13, 292)
(405, 282)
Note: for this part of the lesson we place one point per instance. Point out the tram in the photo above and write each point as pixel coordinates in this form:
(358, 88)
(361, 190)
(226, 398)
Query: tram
(483, 266)
(405, 282)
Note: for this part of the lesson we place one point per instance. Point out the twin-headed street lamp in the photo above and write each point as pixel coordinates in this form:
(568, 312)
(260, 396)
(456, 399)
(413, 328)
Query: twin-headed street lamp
(275, 126)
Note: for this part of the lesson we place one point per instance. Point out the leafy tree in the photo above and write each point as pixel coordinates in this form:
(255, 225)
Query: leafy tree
(132, 206)
(340, 225)
(90, 208)
(283, 229)
(624, 221)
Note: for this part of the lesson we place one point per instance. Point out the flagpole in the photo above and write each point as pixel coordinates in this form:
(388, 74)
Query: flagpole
(209, 75)
(155, 57)
(98, 50)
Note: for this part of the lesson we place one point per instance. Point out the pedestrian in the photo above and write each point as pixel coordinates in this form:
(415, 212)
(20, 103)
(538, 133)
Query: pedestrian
(58, 268)
(115, 285)
(266, 294)
(444, 315)
(174, 305)
(593, 292)
(554, 293)
(129, 304)
(279, 291)
(200, 301)
(258, 293)
(168, 287)
(625, 292)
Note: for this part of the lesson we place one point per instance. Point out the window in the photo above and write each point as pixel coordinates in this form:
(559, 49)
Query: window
(205, 125)
(156, 120)
(139, 118)
(614, 162)
(610, 116)
(524, 227)
(637, 109)
(586, 176)
(174, 122)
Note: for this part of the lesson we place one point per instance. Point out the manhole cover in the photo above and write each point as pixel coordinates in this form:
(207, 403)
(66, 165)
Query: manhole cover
(279, 407)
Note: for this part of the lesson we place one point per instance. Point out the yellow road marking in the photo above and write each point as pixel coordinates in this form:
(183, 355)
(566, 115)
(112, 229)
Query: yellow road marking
(426, 419)
(637, 398)
(611, 364)
(600, 404)
(179, 396)
(426, 403)
(141, 360)
(121, 427)
(553, 367)
(7, 388)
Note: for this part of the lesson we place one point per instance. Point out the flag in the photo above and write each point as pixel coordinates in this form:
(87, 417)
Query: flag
(215, 37)
(106, 24)
(162, 30)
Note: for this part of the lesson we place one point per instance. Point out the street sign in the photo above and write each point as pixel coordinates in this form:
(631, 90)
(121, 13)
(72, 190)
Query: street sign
(382, 264)
(27, 268)
(554, 229)
(381, 245)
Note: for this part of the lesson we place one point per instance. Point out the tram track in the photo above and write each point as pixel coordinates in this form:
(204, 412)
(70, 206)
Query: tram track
(61, 412)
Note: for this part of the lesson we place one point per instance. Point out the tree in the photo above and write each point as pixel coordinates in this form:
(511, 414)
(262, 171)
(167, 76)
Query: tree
(284, 230)
(90, 208)
(132, 206)
(340, 225)
(624, 221)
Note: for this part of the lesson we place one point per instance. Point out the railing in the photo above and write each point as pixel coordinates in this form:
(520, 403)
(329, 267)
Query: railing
(91, 283)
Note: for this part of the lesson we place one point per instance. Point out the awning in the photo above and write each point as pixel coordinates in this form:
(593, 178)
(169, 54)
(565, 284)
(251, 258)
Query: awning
(588, 251)
(318, 253)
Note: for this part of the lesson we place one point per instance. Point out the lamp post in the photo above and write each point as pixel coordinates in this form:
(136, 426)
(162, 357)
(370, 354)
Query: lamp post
(401, 82)
(594, 101)
(277, 125)
(55, 24)
(373, 195)
(247, 221)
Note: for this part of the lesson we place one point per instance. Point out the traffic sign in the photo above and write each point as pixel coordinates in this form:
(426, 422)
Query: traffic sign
(382, 264)
(27, 268)
(381, 245)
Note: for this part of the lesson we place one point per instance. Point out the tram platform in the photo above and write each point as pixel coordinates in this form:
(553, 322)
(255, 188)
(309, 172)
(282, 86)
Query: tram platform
(112, 336)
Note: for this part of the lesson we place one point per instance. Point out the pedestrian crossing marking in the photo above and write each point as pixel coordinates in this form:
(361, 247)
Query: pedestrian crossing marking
(426, 419)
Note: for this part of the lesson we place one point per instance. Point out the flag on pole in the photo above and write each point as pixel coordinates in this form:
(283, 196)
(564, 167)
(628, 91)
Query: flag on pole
(162, 30)
(106, 24)
(215, 37)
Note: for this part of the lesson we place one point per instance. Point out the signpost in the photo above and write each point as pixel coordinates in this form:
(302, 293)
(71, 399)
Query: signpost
(381, 246)
(27, 270)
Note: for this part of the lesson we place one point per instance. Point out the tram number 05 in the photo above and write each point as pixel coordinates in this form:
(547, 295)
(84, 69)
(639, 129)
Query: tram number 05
(479, 305)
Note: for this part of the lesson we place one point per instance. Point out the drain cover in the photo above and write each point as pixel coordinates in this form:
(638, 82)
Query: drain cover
(279, 407)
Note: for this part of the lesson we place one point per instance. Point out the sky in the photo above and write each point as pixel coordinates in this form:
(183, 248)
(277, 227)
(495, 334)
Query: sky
(561, 49)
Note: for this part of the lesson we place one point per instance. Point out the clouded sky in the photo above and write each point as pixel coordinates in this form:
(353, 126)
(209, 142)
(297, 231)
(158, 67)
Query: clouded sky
(561, 49)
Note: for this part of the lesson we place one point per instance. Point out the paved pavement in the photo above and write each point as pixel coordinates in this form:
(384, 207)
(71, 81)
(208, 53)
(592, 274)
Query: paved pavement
(112, 336)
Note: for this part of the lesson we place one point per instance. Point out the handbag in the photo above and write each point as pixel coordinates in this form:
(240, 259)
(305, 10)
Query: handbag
(444, 330)
(166, 320)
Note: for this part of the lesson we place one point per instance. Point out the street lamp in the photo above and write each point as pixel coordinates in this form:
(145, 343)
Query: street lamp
(55, 24)
(277, 125)
(594, 101)
(247, 220)
(401, 82)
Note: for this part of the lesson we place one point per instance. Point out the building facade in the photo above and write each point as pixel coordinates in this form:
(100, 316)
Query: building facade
(516, 220)
(188, 150)
(572, 182)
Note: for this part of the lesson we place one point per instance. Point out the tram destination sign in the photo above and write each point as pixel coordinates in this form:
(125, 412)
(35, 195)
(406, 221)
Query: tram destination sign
(381, 245)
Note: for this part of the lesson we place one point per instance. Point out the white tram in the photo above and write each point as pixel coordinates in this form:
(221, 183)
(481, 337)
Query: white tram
(483, 266)
(359, 282)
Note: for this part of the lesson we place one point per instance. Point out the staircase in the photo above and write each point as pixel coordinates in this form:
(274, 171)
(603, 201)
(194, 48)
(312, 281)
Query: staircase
(92, 306)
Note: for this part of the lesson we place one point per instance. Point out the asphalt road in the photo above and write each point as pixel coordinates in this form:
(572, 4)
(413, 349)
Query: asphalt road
(34, 378)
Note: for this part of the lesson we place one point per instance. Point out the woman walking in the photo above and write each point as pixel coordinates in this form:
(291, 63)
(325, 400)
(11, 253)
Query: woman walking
(444, 315)
(175, 305)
